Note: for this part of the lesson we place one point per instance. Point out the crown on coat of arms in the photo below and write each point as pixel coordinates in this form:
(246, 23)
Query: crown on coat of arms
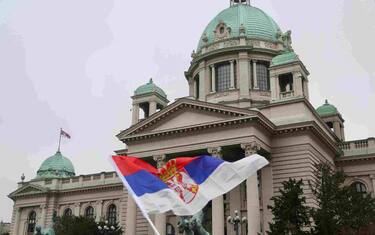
(168, 170)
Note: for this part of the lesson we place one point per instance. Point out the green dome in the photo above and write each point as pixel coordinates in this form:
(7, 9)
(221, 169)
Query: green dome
(257, 24)
(284, 58)
(149, 87)
(56, 166)
(327, 109)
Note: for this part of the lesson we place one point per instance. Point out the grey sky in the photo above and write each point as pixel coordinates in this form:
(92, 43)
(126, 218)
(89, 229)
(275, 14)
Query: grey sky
(74, 64)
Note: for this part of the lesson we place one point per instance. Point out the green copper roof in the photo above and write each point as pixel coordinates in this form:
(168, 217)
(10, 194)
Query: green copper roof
(56, 166)
(257, 24)
(327, 109)
(284, 58)
(149, 88)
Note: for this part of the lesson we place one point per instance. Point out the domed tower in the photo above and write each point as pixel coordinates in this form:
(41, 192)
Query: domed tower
(332, 117)
(233, 62)
(56, 166)
(150, 98)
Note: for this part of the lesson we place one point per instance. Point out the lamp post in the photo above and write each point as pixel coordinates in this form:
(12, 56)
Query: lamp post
(236, 221)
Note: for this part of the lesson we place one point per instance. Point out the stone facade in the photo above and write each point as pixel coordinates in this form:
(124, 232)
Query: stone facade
(272, 117)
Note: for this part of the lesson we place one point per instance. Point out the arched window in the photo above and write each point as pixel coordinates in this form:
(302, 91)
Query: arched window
(89, 212)
(31, 221)
(112, 214)
(263, 76)
(68, 212)
(359, 187)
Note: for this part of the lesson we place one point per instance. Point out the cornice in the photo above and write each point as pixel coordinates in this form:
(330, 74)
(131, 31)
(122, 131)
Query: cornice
(356, 158)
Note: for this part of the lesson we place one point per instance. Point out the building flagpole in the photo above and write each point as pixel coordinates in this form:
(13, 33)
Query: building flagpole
(58, 149)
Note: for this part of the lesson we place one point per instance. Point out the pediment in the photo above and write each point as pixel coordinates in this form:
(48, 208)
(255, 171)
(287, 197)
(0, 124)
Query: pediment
(29, 189)
(185, 113)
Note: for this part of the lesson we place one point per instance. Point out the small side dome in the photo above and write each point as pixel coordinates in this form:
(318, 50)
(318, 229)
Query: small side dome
(327, 110)
(284, 58)
(56, 166)
(149, 87)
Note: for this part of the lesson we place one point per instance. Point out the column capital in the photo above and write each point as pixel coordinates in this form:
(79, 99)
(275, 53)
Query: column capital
(215, 152)
(160, 160)
(250, 148)
(99, 202)
(43, 206)
(254, 60)
(77, 204)
(212, 66)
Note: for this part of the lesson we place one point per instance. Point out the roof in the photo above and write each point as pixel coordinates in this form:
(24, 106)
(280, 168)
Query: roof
(256, 23)
(327, 109)
(150, 87)
(285, 58)
(56, 166)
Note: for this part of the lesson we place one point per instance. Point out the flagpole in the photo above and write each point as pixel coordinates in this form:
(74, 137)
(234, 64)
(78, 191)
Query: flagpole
(58, 150)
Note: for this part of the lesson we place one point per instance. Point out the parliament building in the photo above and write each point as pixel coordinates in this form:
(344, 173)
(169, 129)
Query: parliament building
(248, 93)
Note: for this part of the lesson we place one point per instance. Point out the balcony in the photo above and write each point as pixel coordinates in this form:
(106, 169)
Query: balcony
(286, 94)
(358, 147)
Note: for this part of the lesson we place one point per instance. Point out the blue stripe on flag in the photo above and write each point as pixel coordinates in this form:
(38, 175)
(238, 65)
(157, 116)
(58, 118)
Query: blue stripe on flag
(201, 168)
(143, 182)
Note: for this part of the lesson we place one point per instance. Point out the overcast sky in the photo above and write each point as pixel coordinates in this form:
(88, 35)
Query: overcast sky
(75, 63)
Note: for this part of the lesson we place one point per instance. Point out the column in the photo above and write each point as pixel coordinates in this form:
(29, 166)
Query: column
(218, 219)
(191, 87)
(255, 79)
(152, 107)
(17, 218)
(267, 193)
(297, 84)
(77, 208)
(243, 83)
(306, 89)
(131, 216)
(135, 114)
(160, 219)
(373, 184)
(337, 129)
(213, 78)
(273, 88)
(99, 208)
(202, 82)
(252, 194)
(232, 74)
(43, 207)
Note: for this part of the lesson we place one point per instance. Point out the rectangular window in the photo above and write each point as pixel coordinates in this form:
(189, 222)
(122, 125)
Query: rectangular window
(196, 82)
(263, 76)
(223, 77)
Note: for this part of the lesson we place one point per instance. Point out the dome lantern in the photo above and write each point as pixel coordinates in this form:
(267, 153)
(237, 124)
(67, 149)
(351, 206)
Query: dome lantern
(232, 2)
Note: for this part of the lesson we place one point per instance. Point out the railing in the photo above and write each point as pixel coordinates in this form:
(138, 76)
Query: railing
(358, 147)
(286, 94)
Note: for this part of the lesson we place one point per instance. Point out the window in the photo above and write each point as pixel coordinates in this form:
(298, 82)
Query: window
(68, 212)
(112, 214)
(89, 212)
(359, 187)
(222, 77)
(263, 76)
(196, 82)
(31, 222)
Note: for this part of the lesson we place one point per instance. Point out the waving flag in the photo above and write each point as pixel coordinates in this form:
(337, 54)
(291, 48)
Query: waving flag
(184, 185)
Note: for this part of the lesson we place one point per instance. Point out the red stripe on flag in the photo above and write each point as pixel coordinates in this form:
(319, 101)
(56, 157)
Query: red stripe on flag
(130, 165)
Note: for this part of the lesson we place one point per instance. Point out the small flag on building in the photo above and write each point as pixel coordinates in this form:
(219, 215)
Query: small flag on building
(63, 133)
(185, 184)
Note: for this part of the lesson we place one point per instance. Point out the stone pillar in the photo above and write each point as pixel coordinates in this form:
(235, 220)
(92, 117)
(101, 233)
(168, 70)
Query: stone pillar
(267, 193)
(373, 184)
(191, 87)
(255, 79)
(244, 74)
(99, 209)
(218, 219)
(252, 194)
(135, 114)
(17, 218)
(213, 78)
(273, 86)
(232, 74)
(152, 107)
(43, 208)
(306, 89)
(337, 129)
(160, 219)
(131, 216)
(202, 82)
(343, 132)
(77, 209)
(297, 84)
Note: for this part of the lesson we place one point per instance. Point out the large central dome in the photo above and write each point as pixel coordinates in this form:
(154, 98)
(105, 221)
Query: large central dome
(256, 23)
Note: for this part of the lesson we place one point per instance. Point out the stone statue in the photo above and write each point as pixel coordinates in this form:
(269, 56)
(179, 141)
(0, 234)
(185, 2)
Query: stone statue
(46, 231)
(192, 225)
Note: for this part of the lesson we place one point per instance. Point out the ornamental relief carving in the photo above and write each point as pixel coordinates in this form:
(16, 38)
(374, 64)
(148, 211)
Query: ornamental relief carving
(231, 43)
(222, 31)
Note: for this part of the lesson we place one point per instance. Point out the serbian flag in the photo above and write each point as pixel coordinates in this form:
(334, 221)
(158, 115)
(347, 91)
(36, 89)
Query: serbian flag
(185, 184)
